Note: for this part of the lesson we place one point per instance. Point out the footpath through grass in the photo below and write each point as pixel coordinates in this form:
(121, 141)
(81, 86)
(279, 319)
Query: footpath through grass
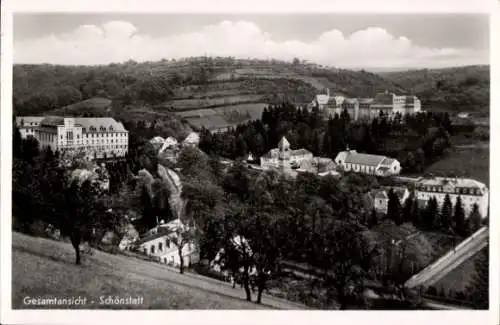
(45, 268)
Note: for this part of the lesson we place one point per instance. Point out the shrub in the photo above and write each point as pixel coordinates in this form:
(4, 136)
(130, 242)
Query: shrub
(432, 291)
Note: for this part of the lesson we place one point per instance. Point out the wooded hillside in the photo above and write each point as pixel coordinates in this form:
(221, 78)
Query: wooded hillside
(453, 89)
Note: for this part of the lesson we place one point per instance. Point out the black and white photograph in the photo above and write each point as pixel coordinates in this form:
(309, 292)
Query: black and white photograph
(333, 161)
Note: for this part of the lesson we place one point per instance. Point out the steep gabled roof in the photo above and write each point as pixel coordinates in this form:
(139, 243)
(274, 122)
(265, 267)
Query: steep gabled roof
(52, 121)
(300, 152)
(387, 161)
(383, 99)
(99, 122)
(380, 194)
(27, 120)
(363, 159)
(273, 153)
(283, 144)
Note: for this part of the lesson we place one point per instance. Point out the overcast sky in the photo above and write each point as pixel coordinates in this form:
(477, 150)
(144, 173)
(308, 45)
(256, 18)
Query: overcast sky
(342, 40)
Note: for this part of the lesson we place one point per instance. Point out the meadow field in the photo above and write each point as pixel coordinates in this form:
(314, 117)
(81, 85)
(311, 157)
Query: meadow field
(45, 268)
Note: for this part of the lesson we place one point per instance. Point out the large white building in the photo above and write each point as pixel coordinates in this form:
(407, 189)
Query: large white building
(158, 243)
(470, 191)
(366, 108)
(28, 124)
(100, 137)
(350, 160)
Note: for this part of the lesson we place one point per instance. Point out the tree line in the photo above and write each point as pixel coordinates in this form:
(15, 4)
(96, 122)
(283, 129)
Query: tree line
(415, 140)
(44, 190)
(447, 218)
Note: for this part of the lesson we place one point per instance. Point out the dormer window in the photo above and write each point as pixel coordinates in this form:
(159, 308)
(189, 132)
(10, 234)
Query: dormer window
(102, 128)
(111, 128)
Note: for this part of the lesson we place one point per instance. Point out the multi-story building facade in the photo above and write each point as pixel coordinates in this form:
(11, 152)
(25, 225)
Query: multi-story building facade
(390, 103)
(350, 160)
(470, 192)
(28, 124)
(159, 243)
(101, 137)
(366, 108)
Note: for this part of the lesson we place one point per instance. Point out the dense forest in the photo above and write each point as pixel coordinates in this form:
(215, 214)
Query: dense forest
(416, 141)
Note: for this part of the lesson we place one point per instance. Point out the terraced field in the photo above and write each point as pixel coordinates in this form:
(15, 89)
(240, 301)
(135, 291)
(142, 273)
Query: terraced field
(219, 117)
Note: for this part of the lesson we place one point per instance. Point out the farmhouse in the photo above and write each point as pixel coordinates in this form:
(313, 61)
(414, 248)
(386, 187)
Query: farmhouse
(158, 242)
(350, 160)
(470, 192)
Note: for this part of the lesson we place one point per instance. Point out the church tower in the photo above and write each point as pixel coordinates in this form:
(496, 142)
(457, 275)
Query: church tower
(284, 154)
(284, 149)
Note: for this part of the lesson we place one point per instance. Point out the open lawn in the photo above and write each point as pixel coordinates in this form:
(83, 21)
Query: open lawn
(220, 116)
(45, 268)
(95, 105)
(191, 104)
(459, 279)
(465, 162)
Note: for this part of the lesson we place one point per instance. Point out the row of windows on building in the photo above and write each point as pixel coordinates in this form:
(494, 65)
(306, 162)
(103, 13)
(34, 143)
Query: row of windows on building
(364, 168)
(98, 141)
(464, 199)
(117, 146)
(69, 135)
(458, 190)
(101, 128)
(152, 249)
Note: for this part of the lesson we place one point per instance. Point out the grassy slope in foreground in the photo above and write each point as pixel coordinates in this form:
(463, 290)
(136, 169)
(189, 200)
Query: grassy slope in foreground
(45, 268)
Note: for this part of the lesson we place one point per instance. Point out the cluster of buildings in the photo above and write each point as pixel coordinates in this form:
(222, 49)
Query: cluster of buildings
(169, 148)
(301, 160)
(366, 108)
(291, 162)
(96, 137)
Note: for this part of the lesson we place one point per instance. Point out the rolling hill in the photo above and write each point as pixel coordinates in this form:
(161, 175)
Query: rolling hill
(45, 268)
(451, 89)
(226, 85)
